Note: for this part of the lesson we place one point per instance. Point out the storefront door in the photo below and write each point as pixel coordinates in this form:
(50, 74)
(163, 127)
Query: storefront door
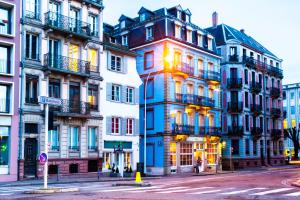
(199, 155)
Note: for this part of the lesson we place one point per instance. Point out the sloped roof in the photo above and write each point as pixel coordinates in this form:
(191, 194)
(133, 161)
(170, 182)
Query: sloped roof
(223, 33)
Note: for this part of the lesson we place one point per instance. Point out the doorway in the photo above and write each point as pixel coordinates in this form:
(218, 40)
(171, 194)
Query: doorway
(30, 155)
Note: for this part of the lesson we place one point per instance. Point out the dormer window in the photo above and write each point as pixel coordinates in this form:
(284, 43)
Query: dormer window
(149, 33)
(112, 40)
(199, 39)
(122, 24)
(125, 40)
(209, 42)
(178, 31)
(179, 14)
(189, 36)
(142, 17)
(187, 18)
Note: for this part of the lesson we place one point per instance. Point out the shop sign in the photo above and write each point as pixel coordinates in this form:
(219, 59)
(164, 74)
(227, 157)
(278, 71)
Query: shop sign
(195, 139)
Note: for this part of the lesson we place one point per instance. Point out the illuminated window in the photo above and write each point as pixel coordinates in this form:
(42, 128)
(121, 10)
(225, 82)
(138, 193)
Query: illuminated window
(178, 117)
(200, 91)
(190, 89)
(200, 65)
(177, 59)
(211, 93)
(173, 154)
(186, 154)
(93, 96)
(285, 124)
(190, 61)
(107, 161)
(4, 148)
(127, 160)
(190, 119)
(93, 59)
(293, 123)
(201, 120)
(212, 153)
(177, 87)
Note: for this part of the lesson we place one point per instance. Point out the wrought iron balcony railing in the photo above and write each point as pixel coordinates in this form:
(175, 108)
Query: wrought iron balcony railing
(275, 92)
(66, 64)
(183, 68)
(233, 58)
(256, 109)
(212, 76)
(256, 87)
(276, 112)
(183, 129)
(32, 15)
(234, 83)
(249, 62)
(74, 148)
(194, 100)
(256, 132)
(67, 25)
(235, 107)
(72, 108)
(276, 134)
(235, 131)
(54, 148)
(98, 3)
(210, 131)
(31, 100)
(92, 148)
(275, 71)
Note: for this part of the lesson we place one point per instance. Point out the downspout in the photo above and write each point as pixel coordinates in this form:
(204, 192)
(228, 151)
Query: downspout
(265, 120)
(21, 90)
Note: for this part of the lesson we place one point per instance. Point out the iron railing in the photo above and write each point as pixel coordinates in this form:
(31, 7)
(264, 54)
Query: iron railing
(184, 68)
(194, 100)
(32, 15)
(256, 87)
(237, 131)
(234, 83)
(274, 71)
(235, 107)
(213, 76)
(54, 148)
(256, 109)
(233, 58)
(275, 92)
(276, 112)
(249, 61)
(74, 148)
(256, 132)
(183, 129)
(67, 64)
(72, 107)
(210, 131)
(32, 100)
(98, 3)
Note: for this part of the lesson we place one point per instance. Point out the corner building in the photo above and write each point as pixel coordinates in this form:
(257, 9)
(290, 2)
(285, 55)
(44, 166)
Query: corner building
(178, 61)
(61, 59)
(251, 99)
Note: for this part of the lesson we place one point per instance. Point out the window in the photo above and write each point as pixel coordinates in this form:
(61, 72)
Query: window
(150, 119)
(246, 100)
(127, 160)
(74, 16)
(32, 9)
(179, 14)
(209, 43)
(32, 47)
(177, 87)
(129, 95)
(254, 147)
(149, 33)
(54, 88)
(5, 98)
(125, 40)
(292, 95)
(189, 36)
(107, 161)
(5, 20)
(177, 31)
(247, 122)
(129, 126)
(93, 96)
(186, 154)
(122, 24)
(115, 64)
(53, 139)
(190, 60)
(115, 125)
(116, 93)
(247, 146)
(235, 147)
(292, 110)
(31, 95)
(187, 18)
(73, 138)
(246, 76)
(212, 153)
(92, 139)
(200, 66)
(177, 59)
(150, 88)
(233, 51)
(148, 60)
(92, 20)
(4, 149)
(93, 59)
(142, 17)
(5, 59)
(173, 154)
(199, 39)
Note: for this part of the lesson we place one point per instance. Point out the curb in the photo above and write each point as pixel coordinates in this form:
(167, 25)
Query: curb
(52, 190)
(296, 184)
(132, 184)
(214, 174)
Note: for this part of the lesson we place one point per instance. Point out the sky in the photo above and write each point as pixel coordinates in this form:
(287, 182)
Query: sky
(273, 23)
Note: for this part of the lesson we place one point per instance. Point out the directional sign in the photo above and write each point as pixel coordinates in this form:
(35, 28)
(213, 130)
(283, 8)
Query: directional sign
(43, 158)
(49, 100)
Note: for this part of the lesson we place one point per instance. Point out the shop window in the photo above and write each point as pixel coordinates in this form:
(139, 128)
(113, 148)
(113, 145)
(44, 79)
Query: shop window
(127, 160)
(173, 154)
(107, 161)
(186, 154)
(212, 153)
(4, 148)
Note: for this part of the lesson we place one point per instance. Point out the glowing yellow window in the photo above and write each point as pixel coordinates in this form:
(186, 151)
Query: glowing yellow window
(93, 59)
(211, 93)
(285, 124)
(200, 91)
(293, 123)
(177, 87)
(178, 117)
(190, 89)
(73, 57)
(177, 59)
(211, 120)
(173, 153)
(201, 120)
(200, 64)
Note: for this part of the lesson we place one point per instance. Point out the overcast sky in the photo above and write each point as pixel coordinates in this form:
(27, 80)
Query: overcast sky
(273, 23)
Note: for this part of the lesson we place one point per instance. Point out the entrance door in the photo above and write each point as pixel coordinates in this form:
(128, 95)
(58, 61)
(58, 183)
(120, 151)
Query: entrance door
(30, 155)
(199, 155)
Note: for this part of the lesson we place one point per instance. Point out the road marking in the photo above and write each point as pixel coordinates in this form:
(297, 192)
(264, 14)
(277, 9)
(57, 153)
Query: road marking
(205, 192)
(272, 191)
(294, 194)
(128, 189)
(4, 194)
(242, 191)
(159, 190)
(184, 190)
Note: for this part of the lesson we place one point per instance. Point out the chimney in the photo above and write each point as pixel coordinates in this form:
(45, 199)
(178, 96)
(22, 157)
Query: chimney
(242, 30)
(215, 19)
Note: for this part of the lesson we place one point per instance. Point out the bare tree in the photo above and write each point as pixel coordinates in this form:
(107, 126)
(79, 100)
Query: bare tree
(293, 134)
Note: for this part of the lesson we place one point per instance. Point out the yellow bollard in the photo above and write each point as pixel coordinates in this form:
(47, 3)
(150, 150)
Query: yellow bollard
(138, 178)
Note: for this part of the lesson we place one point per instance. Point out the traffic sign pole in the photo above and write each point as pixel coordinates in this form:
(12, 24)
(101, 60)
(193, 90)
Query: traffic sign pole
(46, 146)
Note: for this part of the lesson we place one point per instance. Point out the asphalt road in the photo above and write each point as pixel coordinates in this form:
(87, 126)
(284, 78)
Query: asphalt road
(274, 185)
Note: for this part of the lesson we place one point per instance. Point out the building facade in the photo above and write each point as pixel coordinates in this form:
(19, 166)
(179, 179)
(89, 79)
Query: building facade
(9, 88)
(291, 110)
(251, 99)
(180, 69)
(61, 59)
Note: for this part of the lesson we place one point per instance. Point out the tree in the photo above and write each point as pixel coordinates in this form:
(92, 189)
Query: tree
(293, 134)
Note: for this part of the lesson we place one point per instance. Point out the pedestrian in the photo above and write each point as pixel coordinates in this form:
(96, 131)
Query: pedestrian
(199, 164)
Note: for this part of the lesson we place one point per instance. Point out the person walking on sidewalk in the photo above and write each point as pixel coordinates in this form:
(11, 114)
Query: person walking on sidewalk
(198, 166)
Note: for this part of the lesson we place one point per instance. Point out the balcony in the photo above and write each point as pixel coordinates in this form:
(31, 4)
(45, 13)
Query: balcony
(276, 134)
(66, 65)
(210, 131)
(255, 87)
(275, 71)
(196, 100)
(31, 100)
(32, 15)
(68, 26)
(276, 112)
(97, 3)
(233, 58)
(235, 107)
(256, 109)
(71, 108)
(256, 132)
(275, 92)
(234, 83)
(250, 62)
(213, 77)
(179, 129)
(235, 131)
(183, 69)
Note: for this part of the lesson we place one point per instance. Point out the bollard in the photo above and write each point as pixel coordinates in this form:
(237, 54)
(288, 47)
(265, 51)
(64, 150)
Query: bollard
(98, 173)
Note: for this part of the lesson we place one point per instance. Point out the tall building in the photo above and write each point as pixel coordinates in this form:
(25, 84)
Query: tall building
(119, 104)
(60, 59)
(251, 99)
(178, 62)
(9, 88)
(291, 110)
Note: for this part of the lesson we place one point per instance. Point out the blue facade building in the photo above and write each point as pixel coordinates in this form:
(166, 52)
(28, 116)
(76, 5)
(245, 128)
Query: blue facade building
(179, 62)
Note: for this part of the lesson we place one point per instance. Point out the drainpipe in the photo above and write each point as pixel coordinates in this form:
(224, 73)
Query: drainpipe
(265, 120)
(21, 91)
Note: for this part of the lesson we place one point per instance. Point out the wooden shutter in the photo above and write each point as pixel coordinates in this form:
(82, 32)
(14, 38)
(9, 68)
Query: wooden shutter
(123, 124)
(108, 91)
(123, 93)
(136, 95)
(124, 64)
(136, 127)
(108, 125)
(108, 60)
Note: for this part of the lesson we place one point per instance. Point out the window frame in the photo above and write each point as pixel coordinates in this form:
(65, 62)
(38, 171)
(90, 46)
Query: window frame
(30, 49)
(150, 80)
(93, 21)
(186, 152)
(128, 95)
(146, 60)
(50, 139)
(31, 78)
(124, 40)
(10, 8)
(94, 89)
(54, 82)
(116, 95)
(9, 69)
(150, 110)
(116, 125)
(71, 132)
(117, 69)
(90, 147)
(8, 98)
(129, 126)
(149, 33)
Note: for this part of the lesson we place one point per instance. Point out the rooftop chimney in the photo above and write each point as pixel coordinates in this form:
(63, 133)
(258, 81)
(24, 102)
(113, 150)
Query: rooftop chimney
(242, 30)
(215, 19)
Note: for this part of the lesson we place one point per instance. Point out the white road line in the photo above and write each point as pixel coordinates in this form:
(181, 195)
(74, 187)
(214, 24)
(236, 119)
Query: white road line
(271, 191)
(127, 189)
(242, 191)
(159, 190)
(183, 190)
(205, 192)
(294, 194)
(6, 194)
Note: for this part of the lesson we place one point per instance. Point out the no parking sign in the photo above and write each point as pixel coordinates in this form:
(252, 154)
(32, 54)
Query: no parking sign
(43, 158)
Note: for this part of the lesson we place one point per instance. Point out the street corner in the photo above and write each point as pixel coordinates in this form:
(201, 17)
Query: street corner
(51, 190)
(134, 184)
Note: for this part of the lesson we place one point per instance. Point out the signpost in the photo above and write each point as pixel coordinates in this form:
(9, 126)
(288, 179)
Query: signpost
(44, 156)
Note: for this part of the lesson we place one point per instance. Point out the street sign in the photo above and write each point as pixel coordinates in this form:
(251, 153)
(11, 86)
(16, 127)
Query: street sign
(50, 100)
(43, 158)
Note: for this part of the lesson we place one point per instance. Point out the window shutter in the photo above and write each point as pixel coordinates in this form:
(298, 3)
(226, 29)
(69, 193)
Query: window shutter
(108, 60)
(123, 126)
(108, 91)
(123, 94)
(137, 96)
(124, 65)
(136, 127)
(108, 125)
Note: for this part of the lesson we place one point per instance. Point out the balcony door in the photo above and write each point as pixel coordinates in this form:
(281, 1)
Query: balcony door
(54, 53)
(73, 21)
(233, 73)
(234, 97)
(74, 97)
(54, 13)
(73, 57)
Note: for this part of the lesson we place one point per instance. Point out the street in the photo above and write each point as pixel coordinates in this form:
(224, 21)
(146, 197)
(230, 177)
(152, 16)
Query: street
(274, 184)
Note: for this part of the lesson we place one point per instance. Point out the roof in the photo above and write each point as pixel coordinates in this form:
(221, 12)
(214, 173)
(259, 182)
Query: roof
(224, 33)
